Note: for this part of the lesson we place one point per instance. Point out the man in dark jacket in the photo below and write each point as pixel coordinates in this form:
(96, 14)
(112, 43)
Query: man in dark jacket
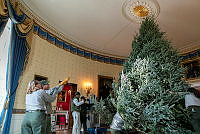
(83, 114)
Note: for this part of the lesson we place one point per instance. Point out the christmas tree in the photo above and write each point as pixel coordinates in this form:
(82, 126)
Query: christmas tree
(105, 110)
(150, 91)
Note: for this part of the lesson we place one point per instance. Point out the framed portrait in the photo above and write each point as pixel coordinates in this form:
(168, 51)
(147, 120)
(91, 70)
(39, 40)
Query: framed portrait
(104, 86)
(192, 68)
(191, 63)
(61, 96)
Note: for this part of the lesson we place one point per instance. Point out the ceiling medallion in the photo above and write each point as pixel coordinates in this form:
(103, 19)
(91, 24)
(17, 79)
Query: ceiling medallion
(141, 11)
(137, 10)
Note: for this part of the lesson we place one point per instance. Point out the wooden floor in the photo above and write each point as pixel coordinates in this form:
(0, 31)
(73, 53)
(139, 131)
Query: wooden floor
(64, 132)
(70, 132)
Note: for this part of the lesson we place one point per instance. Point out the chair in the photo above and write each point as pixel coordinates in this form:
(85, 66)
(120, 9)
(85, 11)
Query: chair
(62, 121)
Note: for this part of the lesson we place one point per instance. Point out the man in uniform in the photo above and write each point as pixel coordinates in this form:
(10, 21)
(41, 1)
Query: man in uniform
(75, 108)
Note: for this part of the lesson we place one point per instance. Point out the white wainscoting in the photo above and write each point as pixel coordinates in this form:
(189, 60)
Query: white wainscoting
(16, 121)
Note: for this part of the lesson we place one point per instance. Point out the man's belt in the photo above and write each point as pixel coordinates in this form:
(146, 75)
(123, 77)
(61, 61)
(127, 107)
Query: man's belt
(38, 110)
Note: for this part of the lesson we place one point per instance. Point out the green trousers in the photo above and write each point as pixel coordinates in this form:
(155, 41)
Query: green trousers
(48, 122)
(195, 120)
(113, 131)
(34, 123)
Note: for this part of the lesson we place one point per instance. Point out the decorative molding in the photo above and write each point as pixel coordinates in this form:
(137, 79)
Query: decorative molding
(191, 55)
(189, 47)
(74, 49)
(39, 21)
(49, 33)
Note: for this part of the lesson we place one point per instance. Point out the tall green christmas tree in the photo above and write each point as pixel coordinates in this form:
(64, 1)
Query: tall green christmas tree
(150, 92)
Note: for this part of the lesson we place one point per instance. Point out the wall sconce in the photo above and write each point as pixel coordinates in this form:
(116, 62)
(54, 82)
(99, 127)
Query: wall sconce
(88, 88)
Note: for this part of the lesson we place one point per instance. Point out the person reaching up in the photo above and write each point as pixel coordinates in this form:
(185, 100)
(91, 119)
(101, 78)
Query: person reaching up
(34, 121)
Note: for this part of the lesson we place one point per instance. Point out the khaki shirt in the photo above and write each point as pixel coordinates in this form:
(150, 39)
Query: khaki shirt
(53, 92)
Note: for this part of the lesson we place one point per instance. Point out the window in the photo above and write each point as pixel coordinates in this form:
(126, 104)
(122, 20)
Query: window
(4, 48)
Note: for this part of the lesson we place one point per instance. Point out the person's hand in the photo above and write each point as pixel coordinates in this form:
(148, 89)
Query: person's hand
(83, 100)
(65, 81)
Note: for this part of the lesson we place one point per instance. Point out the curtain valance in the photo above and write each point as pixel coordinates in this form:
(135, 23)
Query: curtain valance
(23, 24)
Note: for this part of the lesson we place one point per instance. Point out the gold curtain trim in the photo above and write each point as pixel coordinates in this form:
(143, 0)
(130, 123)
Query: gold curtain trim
(3, 8)
(26, 26)
(16, 6)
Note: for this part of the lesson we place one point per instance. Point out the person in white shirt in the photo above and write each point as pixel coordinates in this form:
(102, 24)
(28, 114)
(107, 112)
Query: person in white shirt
(192, 101)
(34, 121)
(75, 108)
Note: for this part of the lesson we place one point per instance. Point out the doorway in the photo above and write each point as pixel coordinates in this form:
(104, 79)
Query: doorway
(64, 101)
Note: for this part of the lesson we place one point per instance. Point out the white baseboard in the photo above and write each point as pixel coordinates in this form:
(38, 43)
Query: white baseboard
(16, 122)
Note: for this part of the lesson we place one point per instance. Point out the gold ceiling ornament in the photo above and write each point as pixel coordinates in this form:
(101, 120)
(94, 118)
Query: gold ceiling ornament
(141, 11)
(137, 10)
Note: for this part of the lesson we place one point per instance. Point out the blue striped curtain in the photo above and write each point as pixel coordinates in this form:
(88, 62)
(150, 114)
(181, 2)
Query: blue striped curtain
(3, 22)
(17, 55)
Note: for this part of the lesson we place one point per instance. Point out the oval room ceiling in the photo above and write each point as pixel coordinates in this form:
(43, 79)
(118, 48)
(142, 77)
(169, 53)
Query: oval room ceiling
(100, 25)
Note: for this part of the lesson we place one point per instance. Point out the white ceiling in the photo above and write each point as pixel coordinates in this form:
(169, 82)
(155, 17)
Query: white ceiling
(101, 26)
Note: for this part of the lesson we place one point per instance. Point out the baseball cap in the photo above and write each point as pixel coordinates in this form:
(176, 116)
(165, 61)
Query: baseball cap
(44, 82)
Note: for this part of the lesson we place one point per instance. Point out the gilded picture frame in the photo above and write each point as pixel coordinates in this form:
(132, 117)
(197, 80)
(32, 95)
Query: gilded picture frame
(191, 63)
(61, 96)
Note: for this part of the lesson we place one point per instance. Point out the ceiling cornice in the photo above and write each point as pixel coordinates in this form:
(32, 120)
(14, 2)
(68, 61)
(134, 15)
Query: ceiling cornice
(189, 47)
(192, 46)
(39, 21)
